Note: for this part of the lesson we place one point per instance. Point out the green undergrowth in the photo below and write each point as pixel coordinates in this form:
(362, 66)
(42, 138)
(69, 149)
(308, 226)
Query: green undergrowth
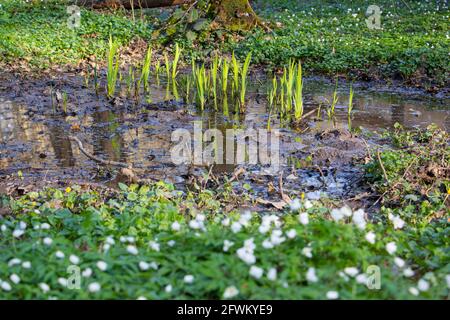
(154, 242)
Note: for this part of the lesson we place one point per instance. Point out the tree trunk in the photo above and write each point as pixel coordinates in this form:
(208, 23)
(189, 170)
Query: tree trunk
(233, 14)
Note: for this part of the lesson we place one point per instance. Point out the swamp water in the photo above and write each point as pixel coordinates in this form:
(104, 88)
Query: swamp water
(34, 139)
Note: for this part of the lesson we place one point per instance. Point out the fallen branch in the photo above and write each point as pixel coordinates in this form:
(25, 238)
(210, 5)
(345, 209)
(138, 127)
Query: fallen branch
(97, 159)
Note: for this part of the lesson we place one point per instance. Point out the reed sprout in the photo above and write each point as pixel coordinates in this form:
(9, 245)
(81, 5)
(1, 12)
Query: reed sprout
(214, 72)
(175, 61)
(167, 65)
(350, 101)
(113, 67)
(236, 67)
(331, 111)
(225, 71)
(298, 95)
(201, 84)
(145, 74)
(244, 76)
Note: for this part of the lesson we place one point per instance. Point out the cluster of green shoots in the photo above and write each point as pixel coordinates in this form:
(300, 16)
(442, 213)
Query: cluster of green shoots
(286, 93)
(208, 80)
(134, 83)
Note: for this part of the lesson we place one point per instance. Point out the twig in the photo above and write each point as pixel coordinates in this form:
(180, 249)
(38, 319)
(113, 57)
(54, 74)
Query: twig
(97, 159)
(382, 166)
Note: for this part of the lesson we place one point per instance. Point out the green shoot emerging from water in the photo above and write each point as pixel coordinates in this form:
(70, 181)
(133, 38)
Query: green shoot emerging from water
(200, 81)
(298, 96)
(175, 61)
(113, 67)
(225, 70)
(236, 68)
(146, 69)
(350, 101)
(244, 75)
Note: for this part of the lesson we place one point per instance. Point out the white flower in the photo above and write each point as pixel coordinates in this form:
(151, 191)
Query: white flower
(5, 286)
(358, 219)
(246, 256)
(141, 298)
(351, 271)
(22, 225)
(398, 223)
(408, 272)
(414, 291)
(106, 247)
(295, 205)
(3, 228)
(361, 278)
(337, 214)
(15, 278)
(110, 240)
(132, 250)
(276, 237)
(45, 226)
(308, 204)
(188, 278)
(272, 274)
(245, 218)
(332, 295)
(144, 266)
(264, 228)
(267, 244)
(176, 226)
(307, 252)
(343, 276)
(59, 254)
(26, 264)
(423, 285)
(87, 272)
(303, 218)
(236, 227)
(153, 265)
(256, 272)
(230, 292)
(311, 275)
(399, 262)
(102, 265)
(18, 233)
(226, 222)
(291, 234)
(47, 241)
(194, 224)
(63, 282)
(74, 259)
(200, 217)
(171, 243)
(154, 245)
(94, 287)
(391, 247)
(44, 287)
(168, 288)
(227, 245)
(370, 237)
(13, 262)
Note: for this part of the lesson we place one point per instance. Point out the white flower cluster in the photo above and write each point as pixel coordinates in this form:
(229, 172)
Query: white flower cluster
(246, 253)
(358, 216)
(396, 221)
